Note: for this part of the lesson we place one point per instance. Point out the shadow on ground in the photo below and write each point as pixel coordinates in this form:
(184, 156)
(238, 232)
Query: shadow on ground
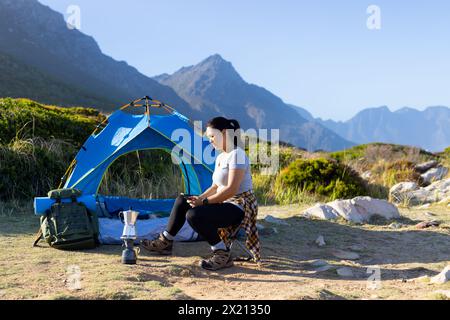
(288, 252)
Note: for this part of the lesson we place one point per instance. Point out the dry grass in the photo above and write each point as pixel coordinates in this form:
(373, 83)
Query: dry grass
(148, 174)
(286, 272)
(140, 187)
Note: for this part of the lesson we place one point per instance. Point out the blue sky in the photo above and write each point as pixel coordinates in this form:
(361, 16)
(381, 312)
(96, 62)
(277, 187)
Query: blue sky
(316, 54)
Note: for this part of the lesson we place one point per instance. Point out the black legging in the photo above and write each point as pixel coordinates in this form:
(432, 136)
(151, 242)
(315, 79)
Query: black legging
(205, 220)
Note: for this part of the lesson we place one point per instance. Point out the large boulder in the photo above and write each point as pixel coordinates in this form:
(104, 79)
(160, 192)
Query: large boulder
(435, 192)
(401, 192)
(359, 210)
(434, 174)
(425, 166)
(410, 193)
(321, 211)
(369, 207)
(347, 210)
(442, 277)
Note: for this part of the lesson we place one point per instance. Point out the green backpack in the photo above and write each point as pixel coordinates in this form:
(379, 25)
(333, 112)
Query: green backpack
(68, 225)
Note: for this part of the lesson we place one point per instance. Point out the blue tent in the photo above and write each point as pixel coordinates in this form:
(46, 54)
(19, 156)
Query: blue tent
(127, 131)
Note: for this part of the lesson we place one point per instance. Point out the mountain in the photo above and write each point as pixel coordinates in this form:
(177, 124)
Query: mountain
(302, 112)
(428, 129)
(19, 80)
(213, 87)
(44, 60)
(36, 36)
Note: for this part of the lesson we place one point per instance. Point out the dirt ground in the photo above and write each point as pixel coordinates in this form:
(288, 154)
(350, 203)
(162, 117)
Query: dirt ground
(398, 256)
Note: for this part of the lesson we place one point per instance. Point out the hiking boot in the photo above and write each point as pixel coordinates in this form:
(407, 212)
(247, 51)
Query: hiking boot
(219, 260)
(162, 245)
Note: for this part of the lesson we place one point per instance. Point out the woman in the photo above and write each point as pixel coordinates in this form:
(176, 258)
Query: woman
(226, 205)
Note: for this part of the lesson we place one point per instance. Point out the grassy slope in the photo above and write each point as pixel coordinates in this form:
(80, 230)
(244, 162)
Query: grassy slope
(37, 143)
(24, 119)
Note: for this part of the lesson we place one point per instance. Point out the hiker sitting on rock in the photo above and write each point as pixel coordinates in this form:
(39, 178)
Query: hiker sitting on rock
(226, 205)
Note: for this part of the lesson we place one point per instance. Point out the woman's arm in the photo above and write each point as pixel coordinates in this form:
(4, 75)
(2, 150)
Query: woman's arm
(210, 191)
(235, 177)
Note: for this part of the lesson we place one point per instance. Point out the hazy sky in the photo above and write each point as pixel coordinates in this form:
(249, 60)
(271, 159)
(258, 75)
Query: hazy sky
(316, 54)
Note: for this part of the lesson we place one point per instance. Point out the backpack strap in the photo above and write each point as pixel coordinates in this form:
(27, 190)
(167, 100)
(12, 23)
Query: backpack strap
(39, 234)
(102, 209)
(38, 237)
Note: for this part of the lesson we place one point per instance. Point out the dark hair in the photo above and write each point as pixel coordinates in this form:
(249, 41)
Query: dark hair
(221, 123)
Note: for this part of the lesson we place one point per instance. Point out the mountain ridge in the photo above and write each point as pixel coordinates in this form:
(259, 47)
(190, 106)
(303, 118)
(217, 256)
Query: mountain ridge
(38, 36)
(214, 86)
(428, 129)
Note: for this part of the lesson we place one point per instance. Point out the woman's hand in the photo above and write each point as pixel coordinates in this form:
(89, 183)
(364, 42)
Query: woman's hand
(194, 201)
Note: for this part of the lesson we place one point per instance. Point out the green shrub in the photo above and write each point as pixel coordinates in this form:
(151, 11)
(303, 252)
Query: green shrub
(349, 154)
(447, 152)
(373, 152)
(323, 177)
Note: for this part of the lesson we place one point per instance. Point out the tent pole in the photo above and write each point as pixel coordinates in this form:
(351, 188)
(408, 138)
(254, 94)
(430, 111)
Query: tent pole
(187, 178)
(141, 175)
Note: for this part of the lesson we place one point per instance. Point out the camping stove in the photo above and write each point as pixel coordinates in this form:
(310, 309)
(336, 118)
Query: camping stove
(128, 236)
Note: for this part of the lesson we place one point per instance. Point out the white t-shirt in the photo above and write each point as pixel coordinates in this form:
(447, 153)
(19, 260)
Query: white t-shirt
(235, 159)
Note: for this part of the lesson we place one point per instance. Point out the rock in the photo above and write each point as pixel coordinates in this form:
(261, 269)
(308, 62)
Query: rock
(435, 192)
(319, 263)
(404, 187)
(320, 241)
(369, 207)
(401, 191)
(425, 166)
(366, 175)
(345, 255)
(426, 205)
(321, 211)
(434, 174)
(347, 210)
(445, 293)
(419, 197)
(274, 220)
(395, 225)
(427, 224)
(442, 186)
(345, 272)
(359, 209)
(442, 277)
